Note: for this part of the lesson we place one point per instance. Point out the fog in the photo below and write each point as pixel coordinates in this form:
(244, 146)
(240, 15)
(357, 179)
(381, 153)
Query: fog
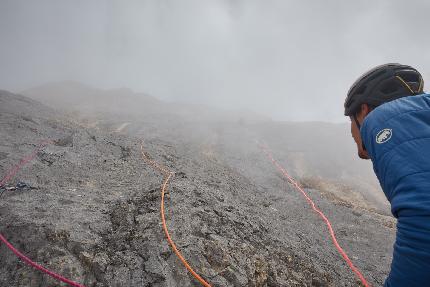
(290, 60)
(210, 108)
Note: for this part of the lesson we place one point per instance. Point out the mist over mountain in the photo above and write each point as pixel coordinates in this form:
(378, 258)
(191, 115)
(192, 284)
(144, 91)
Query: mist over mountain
(289, 60)
(317, 152)
(85, 100)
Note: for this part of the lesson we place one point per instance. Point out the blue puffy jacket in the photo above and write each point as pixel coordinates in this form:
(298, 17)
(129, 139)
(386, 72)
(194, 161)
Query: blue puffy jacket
(397, 138)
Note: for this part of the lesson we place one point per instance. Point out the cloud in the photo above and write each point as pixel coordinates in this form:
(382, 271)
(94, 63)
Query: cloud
(293, 60)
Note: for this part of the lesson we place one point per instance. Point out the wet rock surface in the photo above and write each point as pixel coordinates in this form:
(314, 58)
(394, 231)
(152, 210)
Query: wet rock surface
(94, 214)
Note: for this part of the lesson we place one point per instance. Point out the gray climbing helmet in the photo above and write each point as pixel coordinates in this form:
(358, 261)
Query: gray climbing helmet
(382, 84)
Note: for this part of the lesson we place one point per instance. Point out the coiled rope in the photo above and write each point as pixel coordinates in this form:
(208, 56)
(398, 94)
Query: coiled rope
(319, 212)
(167, 176)
(9, 175)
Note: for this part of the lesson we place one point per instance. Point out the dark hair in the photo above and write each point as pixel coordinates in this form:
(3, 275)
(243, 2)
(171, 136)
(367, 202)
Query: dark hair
(357, 111)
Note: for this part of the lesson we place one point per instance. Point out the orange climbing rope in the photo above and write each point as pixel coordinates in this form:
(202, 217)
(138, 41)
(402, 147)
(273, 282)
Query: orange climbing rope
(167, 176)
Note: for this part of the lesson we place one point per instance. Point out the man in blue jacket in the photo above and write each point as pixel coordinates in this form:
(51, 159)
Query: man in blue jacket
(390, 122)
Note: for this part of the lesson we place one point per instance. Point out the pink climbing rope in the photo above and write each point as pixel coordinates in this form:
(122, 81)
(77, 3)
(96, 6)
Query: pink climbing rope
(320, 213)
(9, 175)
(13, 171)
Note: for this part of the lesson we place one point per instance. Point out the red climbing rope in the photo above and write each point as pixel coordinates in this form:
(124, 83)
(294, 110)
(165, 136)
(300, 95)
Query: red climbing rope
(9, 175)
(320, 213)
(37, 266)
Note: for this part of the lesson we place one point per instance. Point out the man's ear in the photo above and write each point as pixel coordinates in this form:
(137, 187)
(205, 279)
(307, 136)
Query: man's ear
(365, 110)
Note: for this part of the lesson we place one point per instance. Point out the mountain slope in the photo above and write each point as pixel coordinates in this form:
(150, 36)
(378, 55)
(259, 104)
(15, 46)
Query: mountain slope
(93, 212)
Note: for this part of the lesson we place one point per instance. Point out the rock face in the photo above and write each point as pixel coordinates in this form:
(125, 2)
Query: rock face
(92, 213)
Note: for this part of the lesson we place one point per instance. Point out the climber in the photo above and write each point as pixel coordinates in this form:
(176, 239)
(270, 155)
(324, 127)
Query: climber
(390, 123)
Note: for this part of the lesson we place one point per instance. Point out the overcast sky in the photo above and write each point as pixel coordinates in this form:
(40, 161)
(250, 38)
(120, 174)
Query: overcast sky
(292, 60)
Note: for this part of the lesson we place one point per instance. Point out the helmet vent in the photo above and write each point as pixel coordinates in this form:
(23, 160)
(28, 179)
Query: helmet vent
(389, 87)
(409, 77)
(373, 76)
